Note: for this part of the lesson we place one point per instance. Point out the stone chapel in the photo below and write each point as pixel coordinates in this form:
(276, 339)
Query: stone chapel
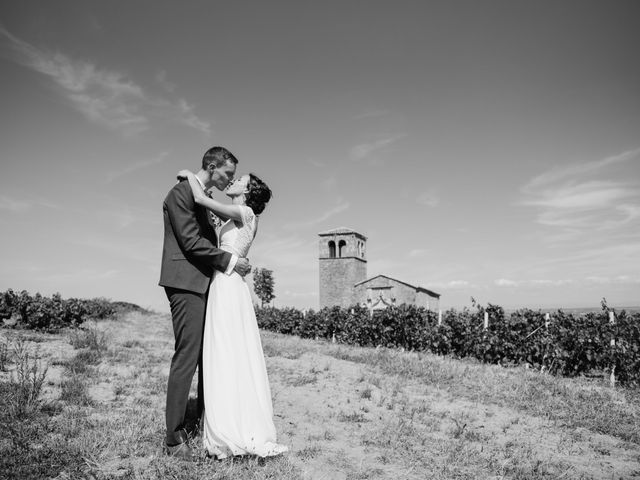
(343, 276)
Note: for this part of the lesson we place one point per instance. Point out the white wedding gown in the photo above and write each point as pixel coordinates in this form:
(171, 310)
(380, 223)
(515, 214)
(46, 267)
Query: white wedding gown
(238, 413)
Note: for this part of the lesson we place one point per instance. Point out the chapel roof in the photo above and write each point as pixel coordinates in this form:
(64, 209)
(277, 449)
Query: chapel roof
(340, 231)
(418, 289)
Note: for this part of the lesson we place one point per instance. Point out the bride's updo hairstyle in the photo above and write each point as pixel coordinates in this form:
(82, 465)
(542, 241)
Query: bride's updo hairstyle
(258, 195)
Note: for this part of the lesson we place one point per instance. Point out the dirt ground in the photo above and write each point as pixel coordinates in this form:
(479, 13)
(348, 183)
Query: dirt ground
(332, 413)
(349, 420)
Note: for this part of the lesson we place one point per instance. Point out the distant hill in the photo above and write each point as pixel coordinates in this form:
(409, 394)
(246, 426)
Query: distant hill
(128, 307)
(578, 310)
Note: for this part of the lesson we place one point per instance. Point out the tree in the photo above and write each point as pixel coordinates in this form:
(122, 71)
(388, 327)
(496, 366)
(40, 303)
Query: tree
(263, 285)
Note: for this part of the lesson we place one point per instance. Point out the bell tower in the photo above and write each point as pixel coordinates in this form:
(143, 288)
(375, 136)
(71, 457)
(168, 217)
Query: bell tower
(342, 263)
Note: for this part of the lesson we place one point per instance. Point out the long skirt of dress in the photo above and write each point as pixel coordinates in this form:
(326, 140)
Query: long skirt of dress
(238, 413)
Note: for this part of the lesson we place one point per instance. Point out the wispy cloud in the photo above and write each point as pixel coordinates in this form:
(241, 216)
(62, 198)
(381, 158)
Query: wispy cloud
(617, 280)
(549, 283)
(509, 283)
(614, 257)
(187, 116)
(135, 166)
(103, 96)
(161, 78)
(417, 252)
(584, 196)
(453, 285)
(580, 169)
(366, 151)
(570, 198)
(322, 217)
(316, 163)
(13, 205)
(429, 198)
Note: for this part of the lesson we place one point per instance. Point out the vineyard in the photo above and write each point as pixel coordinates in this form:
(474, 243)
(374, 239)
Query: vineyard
(562, 344)
(39, 312)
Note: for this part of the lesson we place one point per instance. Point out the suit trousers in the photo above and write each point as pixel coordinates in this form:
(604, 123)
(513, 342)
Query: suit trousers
(187, 314)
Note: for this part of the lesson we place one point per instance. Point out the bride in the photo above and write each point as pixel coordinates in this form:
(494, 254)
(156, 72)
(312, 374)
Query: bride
(238, 413)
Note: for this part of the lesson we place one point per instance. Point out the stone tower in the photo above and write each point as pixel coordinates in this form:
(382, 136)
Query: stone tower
(343, 263)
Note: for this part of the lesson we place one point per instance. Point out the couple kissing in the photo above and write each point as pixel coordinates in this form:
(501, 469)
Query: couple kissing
(212, 312)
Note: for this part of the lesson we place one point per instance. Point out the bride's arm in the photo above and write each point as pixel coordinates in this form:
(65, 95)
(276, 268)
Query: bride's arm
(219, 208)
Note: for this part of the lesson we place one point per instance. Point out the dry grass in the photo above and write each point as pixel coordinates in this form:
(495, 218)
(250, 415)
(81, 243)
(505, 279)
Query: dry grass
(97, 411)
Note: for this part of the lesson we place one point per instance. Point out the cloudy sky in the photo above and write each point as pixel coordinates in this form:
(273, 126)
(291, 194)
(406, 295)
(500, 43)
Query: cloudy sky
(486, 149)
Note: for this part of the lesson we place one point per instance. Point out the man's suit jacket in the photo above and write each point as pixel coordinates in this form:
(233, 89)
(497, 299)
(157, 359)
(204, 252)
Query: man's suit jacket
(189, 252)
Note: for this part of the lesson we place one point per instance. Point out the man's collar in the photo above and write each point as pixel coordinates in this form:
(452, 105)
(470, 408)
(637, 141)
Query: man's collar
(201, 184)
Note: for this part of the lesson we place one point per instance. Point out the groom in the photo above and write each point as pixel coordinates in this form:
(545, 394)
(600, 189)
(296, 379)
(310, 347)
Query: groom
(189, 257)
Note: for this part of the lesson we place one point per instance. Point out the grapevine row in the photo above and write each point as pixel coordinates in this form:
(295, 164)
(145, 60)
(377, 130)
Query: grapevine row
(567, 345)
(39, 312)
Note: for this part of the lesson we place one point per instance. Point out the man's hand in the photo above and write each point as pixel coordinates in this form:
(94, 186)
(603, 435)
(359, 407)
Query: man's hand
(242, 266)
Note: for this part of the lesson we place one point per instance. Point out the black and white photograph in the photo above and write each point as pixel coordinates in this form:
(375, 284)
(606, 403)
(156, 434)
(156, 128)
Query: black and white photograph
(320, 240)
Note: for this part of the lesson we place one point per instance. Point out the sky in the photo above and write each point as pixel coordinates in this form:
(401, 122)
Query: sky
(485, 149)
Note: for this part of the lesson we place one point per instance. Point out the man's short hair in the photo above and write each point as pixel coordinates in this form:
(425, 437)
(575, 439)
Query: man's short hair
(219, 156)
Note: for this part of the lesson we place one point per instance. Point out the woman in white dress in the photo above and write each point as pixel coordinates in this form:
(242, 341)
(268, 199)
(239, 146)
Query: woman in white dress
(238, 413)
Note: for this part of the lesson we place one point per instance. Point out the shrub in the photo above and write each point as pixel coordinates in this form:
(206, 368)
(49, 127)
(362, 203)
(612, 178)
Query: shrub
(74, 390)
(569, 345)
(26, 381)
(311, 325)
(52, 313)
(625, 355)
(88, 337)
(4, 355)
(82, 362)
(354, 327)
(32, 450)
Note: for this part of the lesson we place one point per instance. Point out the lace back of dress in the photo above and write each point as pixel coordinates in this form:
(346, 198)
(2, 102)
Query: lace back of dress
(247, 232)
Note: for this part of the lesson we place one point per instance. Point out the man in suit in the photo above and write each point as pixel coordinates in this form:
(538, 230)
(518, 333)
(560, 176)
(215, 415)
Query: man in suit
(189, 257)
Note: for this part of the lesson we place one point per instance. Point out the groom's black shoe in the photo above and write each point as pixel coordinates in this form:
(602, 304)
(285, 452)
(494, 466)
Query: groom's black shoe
(181, 449)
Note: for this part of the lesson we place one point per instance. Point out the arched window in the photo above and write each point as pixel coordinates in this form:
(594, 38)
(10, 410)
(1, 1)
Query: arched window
(332, 249)
(341, 247)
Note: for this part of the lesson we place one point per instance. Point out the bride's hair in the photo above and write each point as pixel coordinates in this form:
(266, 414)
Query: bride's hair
(258, 195)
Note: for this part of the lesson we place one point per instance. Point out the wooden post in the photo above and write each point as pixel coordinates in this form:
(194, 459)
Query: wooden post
(486, 320)
(439, 317)
(612, 378)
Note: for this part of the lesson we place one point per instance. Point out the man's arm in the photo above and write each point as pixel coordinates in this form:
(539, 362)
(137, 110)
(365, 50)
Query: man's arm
(180, 209)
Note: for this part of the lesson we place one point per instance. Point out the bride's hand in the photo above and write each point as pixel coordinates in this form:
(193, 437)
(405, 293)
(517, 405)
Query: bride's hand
(183, 174)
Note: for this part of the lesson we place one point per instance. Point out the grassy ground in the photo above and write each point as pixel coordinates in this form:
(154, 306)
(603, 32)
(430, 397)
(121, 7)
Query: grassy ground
(90, 404)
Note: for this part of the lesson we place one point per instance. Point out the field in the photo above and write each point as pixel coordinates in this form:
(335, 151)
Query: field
(93, 407)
